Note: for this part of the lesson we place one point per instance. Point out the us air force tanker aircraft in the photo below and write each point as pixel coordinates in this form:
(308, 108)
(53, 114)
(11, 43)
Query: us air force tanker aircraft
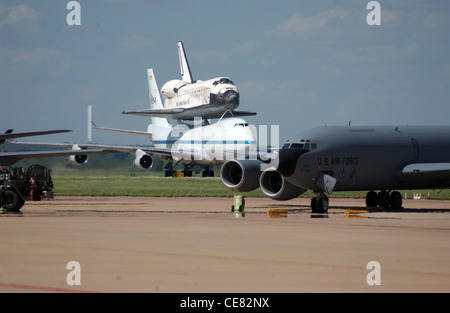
(186, 99)
(327, 159)
(201, 144)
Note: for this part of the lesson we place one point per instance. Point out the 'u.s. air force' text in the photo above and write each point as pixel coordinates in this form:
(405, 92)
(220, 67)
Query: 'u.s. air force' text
(228, 303)
(338, 161)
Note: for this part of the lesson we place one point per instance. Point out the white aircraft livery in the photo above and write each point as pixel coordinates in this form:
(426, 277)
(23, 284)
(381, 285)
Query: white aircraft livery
(202, 144)
(187, 99)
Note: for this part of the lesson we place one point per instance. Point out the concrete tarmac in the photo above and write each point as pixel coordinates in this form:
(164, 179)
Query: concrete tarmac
(198, 245)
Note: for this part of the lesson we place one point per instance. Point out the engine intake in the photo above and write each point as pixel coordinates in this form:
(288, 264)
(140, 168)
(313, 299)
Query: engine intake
(241, 175)
(277, 187)
(143, 160)
(79, 159)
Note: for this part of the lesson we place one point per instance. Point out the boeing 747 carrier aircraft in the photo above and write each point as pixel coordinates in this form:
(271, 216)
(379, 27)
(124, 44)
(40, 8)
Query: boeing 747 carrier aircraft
(205, 145)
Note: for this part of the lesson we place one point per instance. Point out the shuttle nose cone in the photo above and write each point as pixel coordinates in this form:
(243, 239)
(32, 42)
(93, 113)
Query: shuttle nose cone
(287, 161)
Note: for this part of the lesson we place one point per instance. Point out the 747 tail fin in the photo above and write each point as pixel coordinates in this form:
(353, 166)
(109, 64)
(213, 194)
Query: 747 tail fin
(155, 99)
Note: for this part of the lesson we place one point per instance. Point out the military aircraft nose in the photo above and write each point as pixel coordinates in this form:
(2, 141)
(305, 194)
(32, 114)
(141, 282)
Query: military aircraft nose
(287, 160)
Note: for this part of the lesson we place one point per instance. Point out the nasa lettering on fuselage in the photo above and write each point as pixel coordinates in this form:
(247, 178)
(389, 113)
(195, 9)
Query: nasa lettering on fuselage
(182, 103)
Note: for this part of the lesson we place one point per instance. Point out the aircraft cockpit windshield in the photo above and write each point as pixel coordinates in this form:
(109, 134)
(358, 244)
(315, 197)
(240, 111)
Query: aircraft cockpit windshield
(241, 124)
(223, 81)
(302, 144)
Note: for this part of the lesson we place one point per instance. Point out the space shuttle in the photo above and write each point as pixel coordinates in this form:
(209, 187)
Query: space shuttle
(186, 99)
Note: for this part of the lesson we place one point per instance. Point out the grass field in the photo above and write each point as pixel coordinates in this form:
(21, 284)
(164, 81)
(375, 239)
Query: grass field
(153, 186)
(150, 186)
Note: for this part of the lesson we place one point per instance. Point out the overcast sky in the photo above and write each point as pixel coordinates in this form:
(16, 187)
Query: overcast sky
(299, 64)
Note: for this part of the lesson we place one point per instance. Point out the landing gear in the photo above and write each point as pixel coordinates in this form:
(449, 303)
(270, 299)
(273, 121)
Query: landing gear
(208, 172)
(187, 171)
(395, 200)
(169, 169)
(384, 199)
(320, 203)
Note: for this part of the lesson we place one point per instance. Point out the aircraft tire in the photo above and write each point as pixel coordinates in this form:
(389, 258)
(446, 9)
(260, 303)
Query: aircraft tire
(395, 200)
(371, 199)
(383, 199)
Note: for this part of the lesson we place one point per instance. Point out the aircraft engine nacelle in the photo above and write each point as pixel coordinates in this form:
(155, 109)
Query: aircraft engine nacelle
(143, 160)
(78, 159)
(170, 89)
(241, 175)
(276, 187)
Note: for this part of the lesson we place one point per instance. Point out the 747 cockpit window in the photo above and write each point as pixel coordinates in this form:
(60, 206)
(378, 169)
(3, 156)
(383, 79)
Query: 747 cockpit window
(241, 124)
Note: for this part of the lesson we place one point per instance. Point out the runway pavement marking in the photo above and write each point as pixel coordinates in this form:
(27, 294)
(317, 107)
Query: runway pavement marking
(42, 288)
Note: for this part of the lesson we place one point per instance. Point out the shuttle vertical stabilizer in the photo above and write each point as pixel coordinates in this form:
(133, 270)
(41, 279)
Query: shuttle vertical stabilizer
(186, 75)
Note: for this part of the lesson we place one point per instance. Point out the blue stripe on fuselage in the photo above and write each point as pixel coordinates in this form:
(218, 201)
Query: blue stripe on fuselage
(196, 142)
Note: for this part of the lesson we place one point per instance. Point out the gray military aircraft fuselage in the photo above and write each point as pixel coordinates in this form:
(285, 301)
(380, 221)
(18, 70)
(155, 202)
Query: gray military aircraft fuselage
(328, 159)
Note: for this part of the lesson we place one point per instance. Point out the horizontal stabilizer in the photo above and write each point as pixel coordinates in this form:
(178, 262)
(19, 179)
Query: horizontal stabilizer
(133, 132)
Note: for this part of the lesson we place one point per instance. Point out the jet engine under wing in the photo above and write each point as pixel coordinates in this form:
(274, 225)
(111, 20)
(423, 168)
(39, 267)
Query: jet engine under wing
(189, 113)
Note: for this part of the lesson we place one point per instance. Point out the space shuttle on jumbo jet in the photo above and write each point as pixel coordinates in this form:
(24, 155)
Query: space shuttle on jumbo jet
(198, 145)
(186, 99)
